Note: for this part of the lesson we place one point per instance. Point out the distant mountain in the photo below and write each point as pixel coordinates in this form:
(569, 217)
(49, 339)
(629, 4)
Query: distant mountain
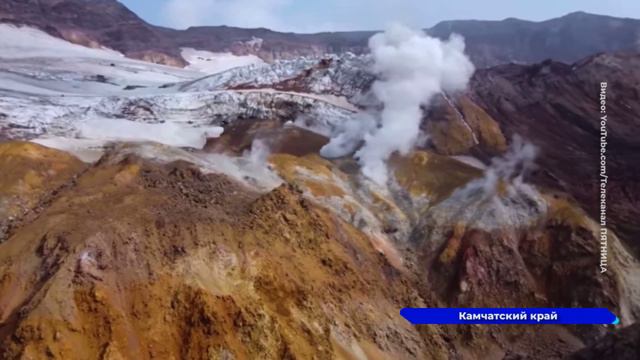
(95, 23)
(109, 23)
(567, 39)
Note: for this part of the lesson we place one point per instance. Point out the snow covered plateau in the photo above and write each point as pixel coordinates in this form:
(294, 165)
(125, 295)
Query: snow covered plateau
(58, 93)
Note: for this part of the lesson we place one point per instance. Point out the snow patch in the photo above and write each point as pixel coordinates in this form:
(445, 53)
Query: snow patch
(86, 150)
(25, 42)
(169, 133)
(33, 62)
(208, 62)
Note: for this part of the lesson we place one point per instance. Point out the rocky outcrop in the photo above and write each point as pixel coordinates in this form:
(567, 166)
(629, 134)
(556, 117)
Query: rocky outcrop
(622, 344)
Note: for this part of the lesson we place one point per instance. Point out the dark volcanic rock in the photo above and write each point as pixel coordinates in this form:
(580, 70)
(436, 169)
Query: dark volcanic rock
(557, 107)
(620, 345)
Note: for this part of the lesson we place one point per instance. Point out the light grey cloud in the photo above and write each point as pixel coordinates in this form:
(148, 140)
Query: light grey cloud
(242, 13)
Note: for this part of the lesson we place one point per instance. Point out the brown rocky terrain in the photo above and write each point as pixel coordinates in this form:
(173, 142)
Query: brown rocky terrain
(133, 257)
(109, 23)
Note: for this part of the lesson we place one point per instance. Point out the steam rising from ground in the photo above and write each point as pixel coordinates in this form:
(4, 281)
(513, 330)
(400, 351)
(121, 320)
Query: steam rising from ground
(411, 68)
(250, 168)
(502, 187)
(511, 167)
(163, 142)
(500, 199)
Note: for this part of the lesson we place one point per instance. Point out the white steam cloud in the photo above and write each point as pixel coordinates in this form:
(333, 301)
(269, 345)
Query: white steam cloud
(507, 170)
(510, 167)
(349, 135)
(252, 168)
(411, 68)
(501, 199)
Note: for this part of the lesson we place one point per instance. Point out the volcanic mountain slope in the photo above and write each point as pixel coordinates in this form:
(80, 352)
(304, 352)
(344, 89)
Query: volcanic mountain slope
(49, 87)
(556, 107)
(109, 23)
(93, 23)
(134, 259)
(568, 38)
(542, 103)
(144, 255)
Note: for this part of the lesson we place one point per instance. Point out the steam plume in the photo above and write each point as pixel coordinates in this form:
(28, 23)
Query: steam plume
(508, 170)
(411, 68)
(511, 167)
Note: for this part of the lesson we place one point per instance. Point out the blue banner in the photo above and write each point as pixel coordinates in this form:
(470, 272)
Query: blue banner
(423, 316)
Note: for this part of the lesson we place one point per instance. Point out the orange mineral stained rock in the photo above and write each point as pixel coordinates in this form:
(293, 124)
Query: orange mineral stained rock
(136, 259)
